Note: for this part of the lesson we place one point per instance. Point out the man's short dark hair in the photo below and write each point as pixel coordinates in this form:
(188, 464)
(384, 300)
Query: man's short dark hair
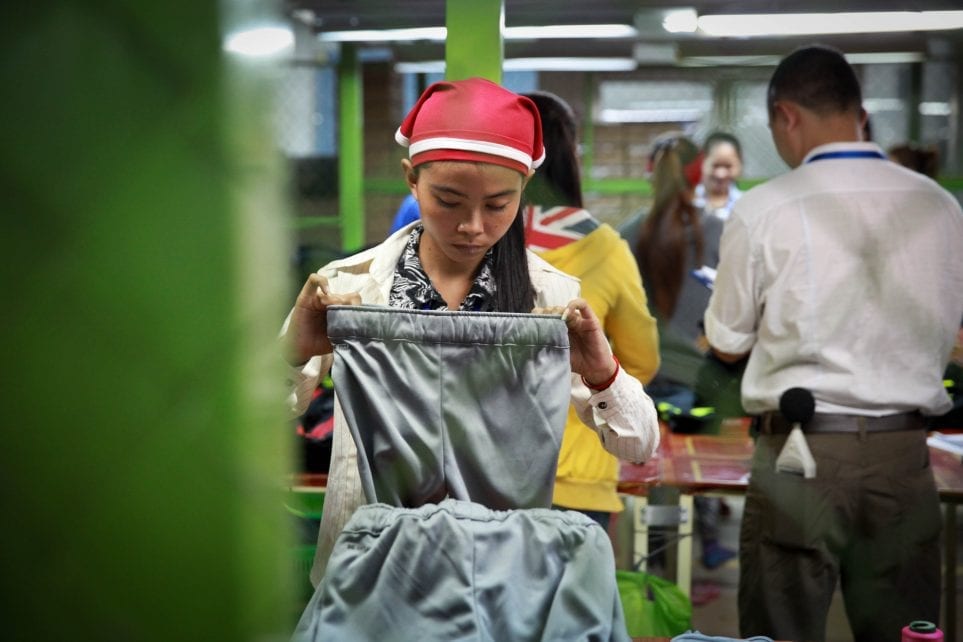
(817, 77)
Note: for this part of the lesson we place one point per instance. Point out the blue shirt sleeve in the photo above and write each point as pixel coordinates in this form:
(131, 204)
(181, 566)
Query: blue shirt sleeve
(407, 212)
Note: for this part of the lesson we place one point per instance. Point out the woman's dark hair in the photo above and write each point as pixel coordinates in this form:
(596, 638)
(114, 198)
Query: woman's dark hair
(672, 225)
(557, 181)
(513, 283)
(718, 137)
(817, 77)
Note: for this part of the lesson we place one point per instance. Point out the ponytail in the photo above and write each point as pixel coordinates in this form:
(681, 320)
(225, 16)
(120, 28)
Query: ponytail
(513, 283)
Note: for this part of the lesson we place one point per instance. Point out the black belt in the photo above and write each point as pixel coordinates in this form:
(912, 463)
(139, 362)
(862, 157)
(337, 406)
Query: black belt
(773, 423)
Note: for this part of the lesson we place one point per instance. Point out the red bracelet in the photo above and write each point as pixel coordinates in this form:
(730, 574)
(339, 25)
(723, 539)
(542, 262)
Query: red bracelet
(599, 387)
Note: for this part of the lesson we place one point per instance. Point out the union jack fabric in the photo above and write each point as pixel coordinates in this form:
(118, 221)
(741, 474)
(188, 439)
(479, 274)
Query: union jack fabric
(557, 226)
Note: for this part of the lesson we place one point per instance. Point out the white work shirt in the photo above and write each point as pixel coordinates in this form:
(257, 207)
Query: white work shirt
(843, 276)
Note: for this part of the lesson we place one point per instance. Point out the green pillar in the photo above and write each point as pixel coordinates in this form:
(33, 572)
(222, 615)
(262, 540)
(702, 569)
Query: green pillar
(474, 43)
(145, 445)
(351, 150)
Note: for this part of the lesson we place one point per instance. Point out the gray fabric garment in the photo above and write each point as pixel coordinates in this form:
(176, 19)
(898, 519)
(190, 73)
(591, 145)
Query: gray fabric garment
(695, 636)
(469, 405)
(460, 571)
(457, 415)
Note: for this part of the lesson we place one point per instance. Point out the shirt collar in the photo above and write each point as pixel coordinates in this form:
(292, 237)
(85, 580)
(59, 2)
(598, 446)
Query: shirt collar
(701, 201)
(411, 288)
(833, 148)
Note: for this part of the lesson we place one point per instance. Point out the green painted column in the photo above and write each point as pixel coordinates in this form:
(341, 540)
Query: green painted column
(474, 43)
(144, 444)
(351, 150)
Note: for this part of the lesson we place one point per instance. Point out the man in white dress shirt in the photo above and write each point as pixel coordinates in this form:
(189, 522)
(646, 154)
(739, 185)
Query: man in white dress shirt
(845, 277)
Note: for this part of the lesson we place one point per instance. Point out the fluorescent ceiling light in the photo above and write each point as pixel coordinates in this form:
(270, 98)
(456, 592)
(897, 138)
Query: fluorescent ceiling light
(681, 21)
(935, 109)
(877, 105)
(510, 33)
(426, 67)
(771, 60)
(885, 57)
(384, 35)
(571, 31)
(530, 64)
(259, 42)
(569, 64)
(662, 115)
(730, 61)
(792, 24)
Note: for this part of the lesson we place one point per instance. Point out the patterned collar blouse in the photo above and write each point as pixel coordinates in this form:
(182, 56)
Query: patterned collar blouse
(412, 289)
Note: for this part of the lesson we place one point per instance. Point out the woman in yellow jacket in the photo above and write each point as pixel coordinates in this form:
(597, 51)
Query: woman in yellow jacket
(566, 235)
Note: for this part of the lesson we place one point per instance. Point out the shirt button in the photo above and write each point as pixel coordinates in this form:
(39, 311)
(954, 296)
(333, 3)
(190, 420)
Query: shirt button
(603, 405)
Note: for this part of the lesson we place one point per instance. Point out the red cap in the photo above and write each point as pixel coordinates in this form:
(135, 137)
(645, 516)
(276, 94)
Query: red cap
(473, 120)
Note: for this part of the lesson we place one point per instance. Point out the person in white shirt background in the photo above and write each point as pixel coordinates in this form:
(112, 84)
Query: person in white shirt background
(843, 276)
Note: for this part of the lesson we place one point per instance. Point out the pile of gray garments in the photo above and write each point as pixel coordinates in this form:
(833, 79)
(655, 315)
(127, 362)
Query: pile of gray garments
(458, 419)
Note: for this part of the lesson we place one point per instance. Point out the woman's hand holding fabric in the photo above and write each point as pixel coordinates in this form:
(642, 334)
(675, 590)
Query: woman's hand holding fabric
(308, 330)
(591, 354)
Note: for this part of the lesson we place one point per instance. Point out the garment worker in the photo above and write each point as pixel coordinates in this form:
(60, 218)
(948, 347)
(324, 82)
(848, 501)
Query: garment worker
(717, 190)
(678, 248)
(843, 276)
(472, 148)
(561, 231)
(721, 168)
(675, 242)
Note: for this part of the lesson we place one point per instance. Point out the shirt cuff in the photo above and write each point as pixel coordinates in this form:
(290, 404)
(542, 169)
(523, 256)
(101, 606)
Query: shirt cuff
(627, 419)
(610, 401)
(724, 339)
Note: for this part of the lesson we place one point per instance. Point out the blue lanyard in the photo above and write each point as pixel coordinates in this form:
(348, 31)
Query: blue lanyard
(849, 154)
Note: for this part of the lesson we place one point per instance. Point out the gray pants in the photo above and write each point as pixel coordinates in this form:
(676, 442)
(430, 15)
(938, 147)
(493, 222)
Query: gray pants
(870, 519)
(460, 571)
(453, 404)
(458, 420)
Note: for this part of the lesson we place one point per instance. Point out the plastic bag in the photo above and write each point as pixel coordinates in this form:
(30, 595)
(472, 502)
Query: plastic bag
(653, 606)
